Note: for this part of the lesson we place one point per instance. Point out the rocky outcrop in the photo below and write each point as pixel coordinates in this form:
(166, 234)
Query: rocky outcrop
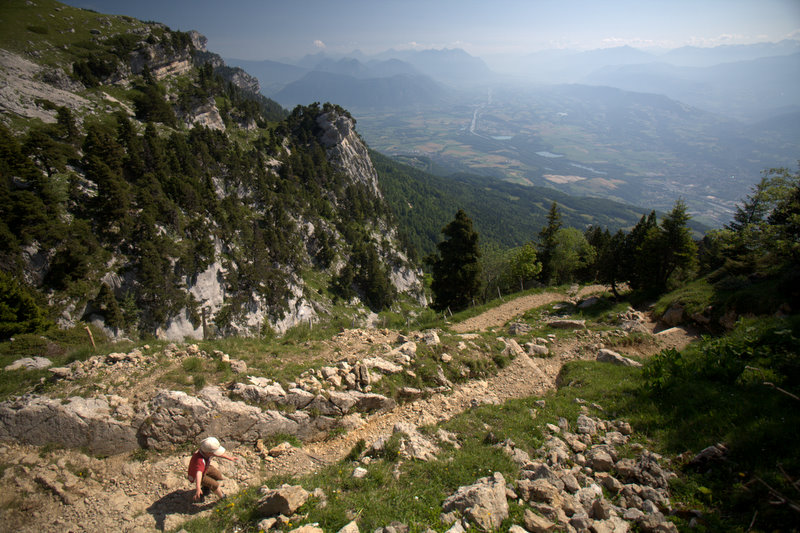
(162, 60)
(22, 89)
(110, 425)
(346, 150)
(206, 115)
(174, 417)
(75, 423)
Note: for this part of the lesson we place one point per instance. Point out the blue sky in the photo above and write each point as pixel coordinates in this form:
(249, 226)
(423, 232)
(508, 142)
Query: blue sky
(267, 29)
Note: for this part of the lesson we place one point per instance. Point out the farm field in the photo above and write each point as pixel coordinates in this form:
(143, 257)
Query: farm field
(637, 148)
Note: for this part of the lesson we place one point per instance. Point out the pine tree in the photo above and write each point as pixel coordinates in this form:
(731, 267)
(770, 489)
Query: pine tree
(637, 263)
(456, 271)
(678, 250)
(547, 242)
(610, 260)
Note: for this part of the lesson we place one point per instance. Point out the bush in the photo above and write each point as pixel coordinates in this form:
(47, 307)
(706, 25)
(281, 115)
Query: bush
(19, 312)
(758, 350)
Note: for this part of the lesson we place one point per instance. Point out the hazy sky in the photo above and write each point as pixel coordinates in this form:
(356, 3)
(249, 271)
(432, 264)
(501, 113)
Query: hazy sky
(267, 29)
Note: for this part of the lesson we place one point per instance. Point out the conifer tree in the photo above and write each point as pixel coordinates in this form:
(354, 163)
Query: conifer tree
(610, 262)
(678, 250)
(456, 271)
(547, 242)
(636, 261)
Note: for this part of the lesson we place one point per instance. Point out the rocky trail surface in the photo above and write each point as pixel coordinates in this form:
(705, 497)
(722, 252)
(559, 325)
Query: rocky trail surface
(68, 490)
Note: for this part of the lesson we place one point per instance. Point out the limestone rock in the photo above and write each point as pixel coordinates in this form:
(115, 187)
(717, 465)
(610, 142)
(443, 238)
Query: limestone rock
(537, 524)
(351, 527)
(563, 323)
(299, 398)
(284, 500)
(540, 490)
(414, 445)
(610, 356)
(308, 528)
(260, 390)
(74, 423)
(431, 338)
(29, 363)
(512, 348)
(600, 460)
(174, 417)
(238, 366)
(586, 425)
(536, 349)
(381, 365)
(483, 503)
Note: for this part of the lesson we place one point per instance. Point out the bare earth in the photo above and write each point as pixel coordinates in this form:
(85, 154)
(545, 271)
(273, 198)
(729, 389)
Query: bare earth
(122, 494)
(505, 312)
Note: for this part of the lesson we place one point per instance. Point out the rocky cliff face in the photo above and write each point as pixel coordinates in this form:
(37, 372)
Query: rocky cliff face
(346, 150)
(183, 232)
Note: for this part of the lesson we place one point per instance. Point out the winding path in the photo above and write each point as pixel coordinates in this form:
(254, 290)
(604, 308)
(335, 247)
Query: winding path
(500, 315)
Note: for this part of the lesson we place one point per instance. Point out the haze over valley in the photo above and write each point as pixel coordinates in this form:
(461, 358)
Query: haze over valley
(619, 123)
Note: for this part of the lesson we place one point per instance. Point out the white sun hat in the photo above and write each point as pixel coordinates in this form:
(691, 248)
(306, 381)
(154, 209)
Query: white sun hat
(211, 446)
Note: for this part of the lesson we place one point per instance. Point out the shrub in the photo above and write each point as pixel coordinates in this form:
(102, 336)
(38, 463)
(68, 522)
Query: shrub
(19, 312)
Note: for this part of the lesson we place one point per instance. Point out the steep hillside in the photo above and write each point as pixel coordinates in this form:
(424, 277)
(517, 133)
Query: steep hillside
(505, 214)
(149, 188)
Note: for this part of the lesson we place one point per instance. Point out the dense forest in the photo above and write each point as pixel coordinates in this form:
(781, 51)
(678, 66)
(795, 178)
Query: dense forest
(506, 215)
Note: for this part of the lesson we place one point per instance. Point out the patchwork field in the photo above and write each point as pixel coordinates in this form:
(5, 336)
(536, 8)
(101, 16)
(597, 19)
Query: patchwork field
(645, 150)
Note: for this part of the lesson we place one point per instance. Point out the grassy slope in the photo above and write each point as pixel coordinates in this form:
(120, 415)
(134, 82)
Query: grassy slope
(46, 27)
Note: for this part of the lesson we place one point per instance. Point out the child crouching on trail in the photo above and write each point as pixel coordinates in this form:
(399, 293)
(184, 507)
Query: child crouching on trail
(202, 473)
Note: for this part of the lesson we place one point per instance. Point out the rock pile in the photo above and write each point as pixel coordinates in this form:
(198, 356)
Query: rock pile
(580, 481)
(631, 320)
(577, 481)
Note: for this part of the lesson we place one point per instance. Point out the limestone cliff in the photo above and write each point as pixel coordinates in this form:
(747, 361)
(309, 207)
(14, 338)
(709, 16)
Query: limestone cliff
(169, 220)
(346, 150)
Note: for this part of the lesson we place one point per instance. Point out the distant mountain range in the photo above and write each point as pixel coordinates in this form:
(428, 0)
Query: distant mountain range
(749, 90)
(400, 90)
(391, 79)
(569, 66)
(750, 82)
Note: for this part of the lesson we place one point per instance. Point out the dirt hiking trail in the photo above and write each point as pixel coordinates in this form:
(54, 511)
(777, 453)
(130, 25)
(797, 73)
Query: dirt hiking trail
(66, 490)
(500, 315)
